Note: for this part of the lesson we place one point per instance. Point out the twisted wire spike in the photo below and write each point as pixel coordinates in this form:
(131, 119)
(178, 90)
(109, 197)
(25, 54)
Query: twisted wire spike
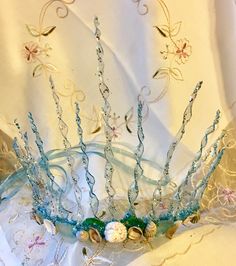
(197, 193)
(24, 138)
(197, 160)
(138, 170)
(70, 160)
(195, 164)
(27, 159)
(94, 202)
(186, 118)
(39, 143)
(165, 178)
(52, 190)
(104, 90)
(214, 148)
(27, 162)
(17, 150)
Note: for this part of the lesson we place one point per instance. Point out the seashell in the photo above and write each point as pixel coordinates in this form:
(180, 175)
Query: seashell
(50, 227)
(82, 235)
(115, 232)
(37, 218)
(94, 235)
(194, 218)
(170, 232)
(150, 230)
(135, 233)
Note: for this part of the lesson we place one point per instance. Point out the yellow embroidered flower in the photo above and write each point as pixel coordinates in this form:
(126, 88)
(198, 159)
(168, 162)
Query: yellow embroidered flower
(183, 51)
(31, 51)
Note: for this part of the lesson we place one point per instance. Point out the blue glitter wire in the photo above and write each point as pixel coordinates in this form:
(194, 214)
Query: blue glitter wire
(108, 153)
(94, 202)
(133, 190)
(56, 191)
(63, 128)
(196, 163)
(165, 178)
(16, 180)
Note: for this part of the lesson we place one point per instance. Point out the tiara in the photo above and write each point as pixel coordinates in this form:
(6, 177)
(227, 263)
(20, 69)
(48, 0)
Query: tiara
(58, 203)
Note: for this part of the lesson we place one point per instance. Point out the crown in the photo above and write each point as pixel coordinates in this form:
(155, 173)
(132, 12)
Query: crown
(58, 204)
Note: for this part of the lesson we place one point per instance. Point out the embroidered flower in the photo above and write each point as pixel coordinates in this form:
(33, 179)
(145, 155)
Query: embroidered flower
(115, 132)
(31, 51)
(228, 196)
(36, 242)
(183, 51)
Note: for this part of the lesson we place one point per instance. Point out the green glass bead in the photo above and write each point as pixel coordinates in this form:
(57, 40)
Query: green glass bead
(130, 221)
(93, 223)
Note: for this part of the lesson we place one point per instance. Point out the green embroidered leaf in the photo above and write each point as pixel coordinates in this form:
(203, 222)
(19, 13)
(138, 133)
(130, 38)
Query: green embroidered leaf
(161, 73)
(175, 29)
(33, 30)
(38, 70)
(48, 30)
(176, 73)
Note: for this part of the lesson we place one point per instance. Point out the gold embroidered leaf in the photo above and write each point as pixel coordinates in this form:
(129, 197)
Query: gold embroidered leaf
(96, 130)
(84, 251)
(33, 30)
(176, 73)
(48, 30)
(38, 70)
(161, 73)
(163, 30)
(128, 117)
(176, 28)
(98, 120)
(51, 68)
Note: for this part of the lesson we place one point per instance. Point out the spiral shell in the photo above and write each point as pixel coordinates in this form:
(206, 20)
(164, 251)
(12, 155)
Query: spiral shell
(82, 235)
(94, 235)
(135, 233)
(150, 230)
(115, 232)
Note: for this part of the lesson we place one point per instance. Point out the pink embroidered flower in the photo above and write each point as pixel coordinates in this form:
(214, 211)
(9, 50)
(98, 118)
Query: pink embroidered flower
(36, 242)
(31, 51)
(115, 132)
(229, 195)
(183, 51)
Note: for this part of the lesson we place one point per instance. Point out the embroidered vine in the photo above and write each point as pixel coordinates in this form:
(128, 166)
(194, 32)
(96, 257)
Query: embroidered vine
(141, 7)
(176, 52)
(37, 52)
